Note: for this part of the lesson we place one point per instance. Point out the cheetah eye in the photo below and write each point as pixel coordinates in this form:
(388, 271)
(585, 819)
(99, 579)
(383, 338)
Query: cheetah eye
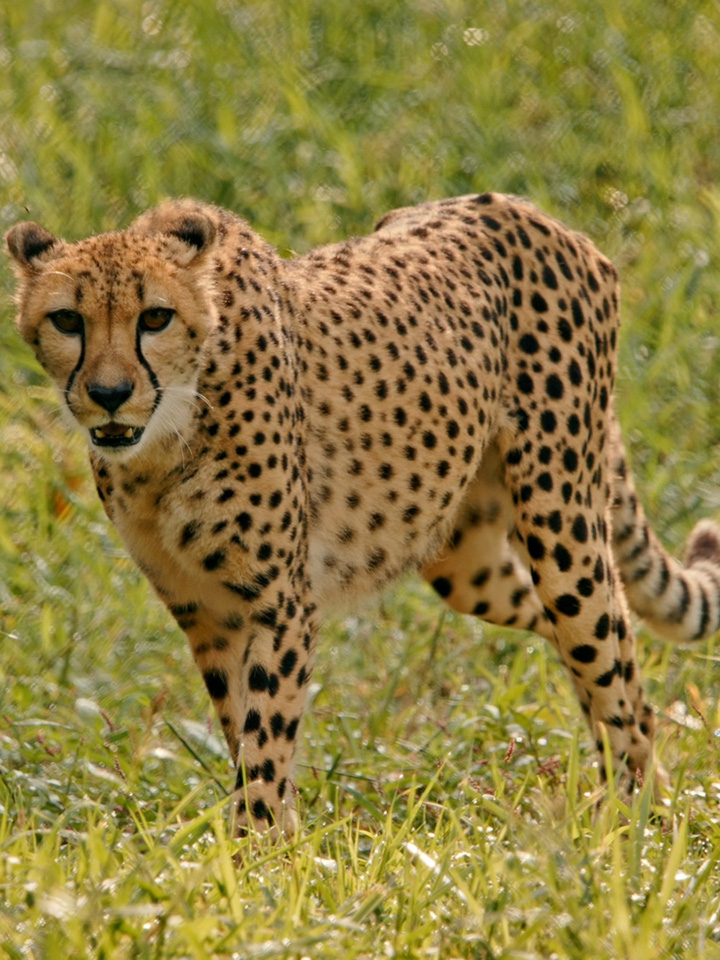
(155, 319)
(66, 321)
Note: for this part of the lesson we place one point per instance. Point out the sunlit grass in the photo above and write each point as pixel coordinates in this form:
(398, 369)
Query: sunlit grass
(447, 789)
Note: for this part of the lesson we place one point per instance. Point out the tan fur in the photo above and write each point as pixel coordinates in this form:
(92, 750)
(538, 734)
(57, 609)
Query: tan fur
(437, 395)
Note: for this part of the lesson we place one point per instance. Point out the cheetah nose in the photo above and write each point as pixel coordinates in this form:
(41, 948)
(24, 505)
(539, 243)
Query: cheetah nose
(110, 398)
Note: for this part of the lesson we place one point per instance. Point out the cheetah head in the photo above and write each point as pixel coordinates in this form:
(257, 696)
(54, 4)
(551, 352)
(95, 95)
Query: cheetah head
(119, 322)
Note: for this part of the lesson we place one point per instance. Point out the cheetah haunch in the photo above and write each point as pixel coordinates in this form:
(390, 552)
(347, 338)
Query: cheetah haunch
(271, 436)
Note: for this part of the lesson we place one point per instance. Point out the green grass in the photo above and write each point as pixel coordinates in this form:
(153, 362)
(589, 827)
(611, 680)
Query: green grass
(446, 784)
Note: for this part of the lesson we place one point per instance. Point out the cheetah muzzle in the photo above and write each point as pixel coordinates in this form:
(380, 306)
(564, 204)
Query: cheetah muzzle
(272, 436)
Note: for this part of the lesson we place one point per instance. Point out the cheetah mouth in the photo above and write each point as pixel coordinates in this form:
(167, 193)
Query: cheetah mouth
(115, 435)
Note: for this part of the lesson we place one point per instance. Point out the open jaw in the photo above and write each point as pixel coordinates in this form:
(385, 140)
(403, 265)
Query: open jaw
(115, 435)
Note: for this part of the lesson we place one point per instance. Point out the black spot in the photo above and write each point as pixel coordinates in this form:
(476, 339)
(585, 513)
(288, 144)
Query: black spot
(605, 679)
(578, 316)
(584, 653)
(570, 460)
(585, 587)
(554, 387)
(525, 383)
(563, 264)
(575, 373)
(264, 551)
(442, 586)
(535, 547)
(538, 303)
(216, 681)
(545, 482)
(244, 590)
(564, 329)
(214, 560)
(189, 532)
(602, 627)
(287, 664)
(260, 810)
(258, 678)
(562, 557)
(266, 617)
(244, 520)
(568, 604)
(555, 521)
(579, 529)
(549, 278)
(252, 721)
(529, 343)
(548, 421)
(481, 577)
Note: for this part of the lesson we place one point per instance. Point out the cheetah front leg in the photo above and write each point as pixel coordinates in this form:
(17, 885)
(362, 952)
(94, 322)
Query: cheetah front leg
(256, 662)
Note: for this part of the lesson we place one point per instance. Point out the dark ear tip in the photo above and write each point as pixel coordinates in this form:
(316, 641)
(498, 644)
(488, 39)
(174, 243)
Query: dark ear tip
(198, 232)
(28, 240)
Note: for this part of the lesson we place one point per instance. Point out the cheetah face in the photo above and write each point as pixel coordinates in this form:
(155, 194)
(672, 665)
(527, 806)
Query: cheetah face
(119, 322)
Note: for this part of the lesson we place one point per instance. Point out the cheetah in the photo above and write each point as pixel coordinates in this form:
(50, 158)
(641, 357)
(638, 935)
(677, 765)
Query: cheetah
(272, 437)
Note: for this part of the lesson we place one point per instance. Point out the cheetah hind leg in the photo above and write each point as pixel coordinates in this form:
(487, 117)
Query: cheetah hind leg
(573, 591)
(484, 569)
(479, 570)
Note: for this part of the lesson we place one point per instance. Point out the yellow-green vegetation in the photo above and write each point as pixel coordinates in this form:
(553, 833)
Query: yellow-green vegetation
(447, 790)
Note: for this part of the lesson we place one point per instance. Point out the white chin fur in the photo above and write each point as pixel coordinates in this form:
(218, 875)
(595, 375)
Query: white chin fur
(168, 426)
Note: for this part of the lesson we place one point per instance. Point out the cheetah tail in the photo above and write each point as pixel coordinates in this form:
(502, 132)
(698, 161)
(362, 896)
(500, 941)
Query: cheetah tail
(680, 601)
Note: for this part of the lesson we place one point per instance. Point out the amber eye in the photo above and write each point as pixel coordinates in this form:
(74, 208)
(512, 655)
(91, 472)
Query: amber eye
(66, 321)
(155, 319)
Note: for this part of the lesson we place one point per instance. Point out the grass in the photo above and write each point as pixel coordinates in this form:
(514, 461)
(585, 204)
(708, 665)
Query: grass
(446, 784)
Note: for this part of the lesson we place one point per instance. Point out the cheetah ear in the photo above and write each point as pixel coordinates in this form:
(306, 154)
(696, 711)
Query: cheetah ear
(195, 235)
(29, 245)
(190, 231)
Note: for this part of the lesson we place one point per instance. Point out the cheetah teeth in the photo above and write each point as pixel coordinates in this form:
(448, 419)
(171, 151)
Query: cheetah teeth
(99, 432)
(115, 435)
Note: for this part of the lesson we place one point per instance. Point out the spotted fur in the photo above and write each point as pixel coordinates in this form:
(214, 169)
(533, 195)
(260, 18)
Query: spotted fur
(273, 437)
